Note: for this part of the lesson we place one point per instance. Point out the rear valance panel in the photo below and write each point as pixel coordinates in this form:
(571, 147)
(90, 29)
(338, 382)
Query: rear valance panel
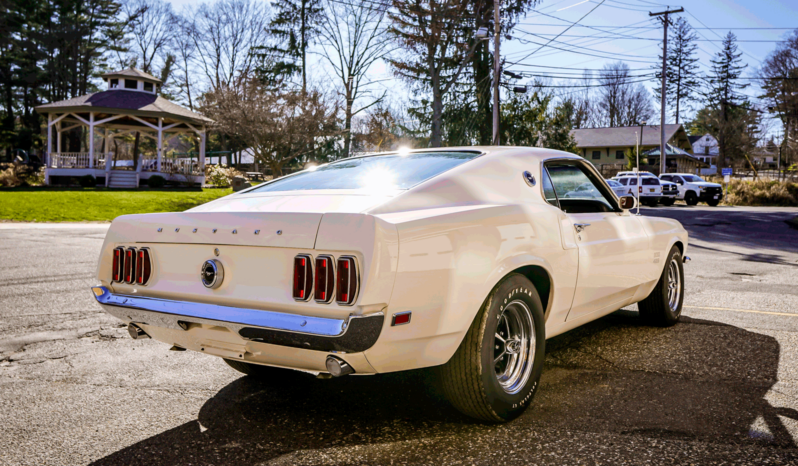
(268, 229)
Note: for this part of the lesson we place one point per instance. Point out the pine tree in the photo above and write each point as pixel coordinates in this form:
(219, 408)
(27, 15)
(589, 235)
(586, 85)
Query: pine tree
(295, 25)
(724, 95)
(681, 68)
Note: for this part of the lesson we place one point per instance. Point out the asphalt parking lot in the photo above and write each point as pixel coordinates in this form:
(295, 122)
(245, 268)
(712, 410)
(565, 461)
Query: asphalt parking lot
(721, 387)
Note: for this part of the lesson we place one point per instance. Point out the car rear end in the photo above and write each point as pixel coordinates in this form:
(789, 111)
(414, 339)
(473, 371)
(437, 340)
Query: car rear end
(650, 190)
(283, 289)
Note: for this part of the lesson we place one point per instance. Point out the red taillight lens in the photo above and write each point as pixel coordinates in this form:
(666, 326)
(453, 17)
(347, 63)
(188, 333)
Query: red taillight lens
(143, 266)
(116, 271)
(303, 278)
(347, 281)
(130, 265)
(640, 189)
(325, 279)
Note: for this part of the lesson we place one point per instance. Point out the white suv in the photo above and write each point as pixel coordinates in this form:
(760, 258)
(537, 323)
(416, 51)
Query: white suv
(648, 193)
(669, 190)
(693, 189)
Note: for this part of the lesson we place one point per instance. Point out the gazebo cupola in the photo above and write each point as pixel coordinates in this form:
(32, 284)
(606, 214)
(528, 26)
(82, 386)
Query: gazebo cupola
(129, 104)
(132, 79)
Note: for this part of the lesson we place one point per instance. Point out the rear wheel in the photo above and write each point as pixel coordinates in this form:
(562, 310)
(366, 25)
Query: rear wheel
(691, 198)
(494, 374)
(664, 305)
(668, 201)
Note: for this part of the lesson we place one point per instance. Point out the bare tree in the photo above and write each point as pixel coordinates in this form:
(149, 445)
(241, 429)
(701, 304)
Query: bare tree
(353, 39)
(780, 82)
(279, 126)
(432, 34)
(224, 34)
(185, 56)
(620, 100)
(152, 25)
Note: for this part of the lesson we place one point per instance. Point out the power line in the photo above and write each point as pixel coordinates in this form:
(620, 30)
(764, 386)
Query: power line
(563, 32)
(650, 38)
(652, 27)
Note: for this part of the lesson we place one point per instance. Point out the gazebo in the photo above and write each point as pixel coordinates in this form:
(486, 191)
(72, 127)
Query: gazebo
(129, 104)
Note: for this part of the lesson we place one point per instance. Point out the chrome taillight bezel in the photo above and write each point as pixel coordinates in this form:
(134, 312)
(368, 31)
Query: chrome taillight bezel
(327, 293)
(118, 265)
(307, 279)
(143, 266)
(354, 281)
(130, 266)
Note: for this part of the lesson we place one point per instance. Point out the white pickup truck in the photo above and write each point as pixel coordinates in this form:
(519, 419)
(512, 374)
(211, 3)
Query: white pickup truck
(669, 190)
(693, 189)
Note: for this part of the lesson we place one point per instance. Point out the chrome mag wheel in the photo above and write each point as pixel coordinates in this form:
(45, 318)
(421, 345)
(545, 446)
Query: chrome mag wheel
(514, 346)
(674, 284)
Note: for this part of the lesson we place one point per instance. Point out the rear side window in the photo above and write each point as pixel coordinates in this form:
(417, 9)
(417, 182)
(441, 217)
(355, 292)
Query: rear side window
(623, 181)
(648, 181)
(379, 172)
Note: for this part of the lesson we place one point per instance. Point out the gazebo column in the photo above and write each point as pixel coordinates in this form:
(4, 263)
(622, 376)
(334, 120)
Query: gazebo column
(58, 145)
(160, 144)
(49, 148)
(202, 152)
(108, 157)
(91, 139)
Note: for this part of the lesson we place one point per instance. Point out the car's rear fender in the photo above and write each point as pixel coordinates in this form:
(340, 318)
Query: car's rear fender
(450, 260)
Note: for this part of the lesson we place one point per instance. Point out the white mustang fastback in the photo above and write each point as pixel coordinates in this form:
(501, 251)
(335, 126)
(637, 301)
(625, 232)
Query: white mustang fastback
(466, 259)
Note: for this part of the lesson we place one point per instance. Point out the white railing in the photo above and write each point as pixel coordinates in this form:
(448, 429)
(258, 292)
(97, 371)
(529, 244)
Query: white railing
(76, 160)
(180, 166)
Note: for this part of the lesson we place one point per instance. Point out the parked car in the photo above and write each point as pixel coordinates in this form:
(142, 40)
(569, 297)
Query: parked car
(649, 192)
(669, 190)
(617, 188)
(693, 189)
(465, 259)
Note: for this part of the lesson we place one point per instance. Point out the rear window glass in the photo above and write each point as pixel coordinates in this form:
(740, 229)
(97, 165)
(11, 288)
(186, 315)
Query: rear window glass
(382, 172)
(648, 181)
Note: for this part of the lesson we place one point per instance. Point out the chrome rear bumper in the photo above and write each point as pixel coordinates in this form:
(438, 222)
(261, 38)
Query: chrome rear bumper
(351, 335)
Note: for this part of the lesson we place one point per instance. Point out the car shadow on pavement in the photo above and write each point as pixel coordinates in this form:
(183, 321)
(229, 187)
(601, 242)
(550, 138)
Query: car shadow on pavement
(700, 380)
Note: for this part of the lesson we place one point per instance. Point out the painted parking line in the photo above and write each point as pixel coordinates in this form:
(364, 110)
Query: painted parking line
(751, 311)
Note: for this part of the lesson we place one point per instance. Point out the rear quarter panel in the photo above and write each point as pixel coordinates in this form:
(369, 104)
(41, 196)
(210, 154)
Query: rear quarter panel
(449, 261)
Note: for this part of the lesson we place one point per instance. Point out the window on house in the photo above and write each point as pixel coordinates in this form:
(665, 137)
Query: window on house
(131, 84)
(148, 87)
(619, 154)
(596, 154)
(114, 83)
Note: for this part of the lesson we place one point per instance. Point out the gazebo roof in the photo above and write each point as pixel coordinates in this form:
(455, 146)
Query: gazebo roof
(132, 73)
(119, 101)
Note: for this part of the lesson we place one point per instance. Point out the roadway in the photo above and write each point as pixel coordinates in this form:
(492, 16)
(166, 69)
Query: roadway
(719, 387)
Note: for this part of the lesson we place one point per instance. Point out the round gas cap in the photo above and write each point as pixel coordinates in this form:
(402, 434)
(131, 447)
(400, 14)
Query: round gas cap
(530, 180)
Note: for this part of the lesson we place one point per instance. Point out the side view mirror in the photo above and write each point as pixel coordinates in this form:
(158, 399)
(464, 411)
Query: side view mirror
(628, 202)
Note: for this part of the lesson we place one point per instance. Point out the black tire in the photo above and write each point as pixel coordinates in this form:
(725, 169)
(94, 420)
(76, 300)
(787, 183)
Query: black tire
(469, 380)
(713, 202)
(690, 198)
(660, 308)
(651, 203)
(668, 202)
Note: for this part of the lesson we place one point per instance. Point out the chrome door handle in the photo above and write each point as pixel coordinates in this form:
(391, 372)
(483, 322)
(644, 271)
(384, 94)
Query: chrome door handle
(580, 226)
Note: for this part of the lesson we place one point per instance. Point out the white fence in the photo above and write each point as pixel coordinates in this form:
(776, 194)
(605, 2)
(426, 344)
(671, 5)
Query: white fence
(76, 160)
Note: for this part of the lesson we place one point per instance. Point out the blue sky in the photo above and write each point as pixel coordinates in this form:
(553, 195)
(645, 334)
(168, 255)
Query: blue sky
(629, 18)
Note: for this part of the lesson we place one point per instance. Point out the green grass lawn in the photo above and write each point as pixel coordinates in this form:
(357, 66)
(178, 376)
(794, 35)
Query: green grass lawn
(96, 205)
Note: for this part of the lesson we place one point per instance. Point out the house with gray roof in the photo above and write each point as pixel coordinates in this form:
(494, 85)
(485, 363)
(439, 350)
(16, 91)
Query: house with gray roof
(606, 146)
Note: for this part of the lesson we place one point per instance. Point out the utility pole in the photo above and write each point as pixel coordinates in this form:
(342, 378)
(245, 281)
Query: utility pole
(662, 142)
(496, 70)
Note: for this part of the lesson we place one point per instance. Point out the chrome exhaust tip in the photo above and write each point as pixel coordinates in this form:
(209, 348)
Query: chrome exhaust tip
(136, 332)
(338, 367)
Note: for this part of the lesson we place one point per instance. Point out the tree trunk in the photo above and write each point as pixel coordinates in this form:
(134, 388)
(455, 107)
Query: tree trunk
(348, 121)
(304, 49)
(277, 169)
